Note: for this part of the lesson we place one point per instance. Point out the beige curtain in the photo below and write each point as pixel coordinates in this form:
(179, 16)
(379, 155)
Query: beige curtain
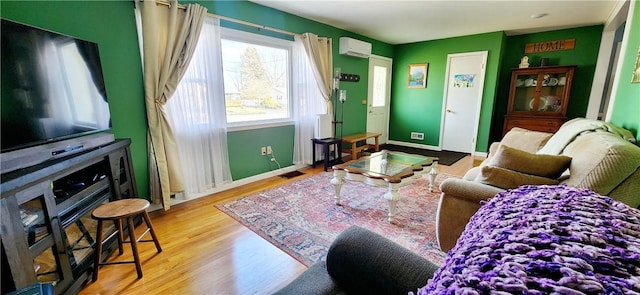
(169, 38)
(320, 53)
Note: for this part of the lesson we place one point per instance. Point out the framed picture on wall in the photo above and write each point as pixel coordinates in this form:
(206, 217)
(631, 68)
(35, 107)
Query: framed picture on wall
(417, 77)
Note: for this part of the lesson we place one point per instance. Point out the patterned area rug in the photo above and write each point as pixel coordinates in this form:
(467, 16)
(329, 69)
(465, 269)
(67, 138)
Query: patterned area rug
(301, 218)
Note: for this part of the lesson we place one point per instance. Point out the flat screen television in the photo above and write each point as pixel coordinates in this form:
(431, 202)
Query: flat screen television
(52, 87)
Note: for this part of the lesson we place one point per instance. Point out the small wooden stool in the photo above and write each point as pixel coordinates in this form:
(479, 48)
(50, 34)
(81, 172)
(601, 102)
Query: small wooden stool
(326, 142)
(116, 211)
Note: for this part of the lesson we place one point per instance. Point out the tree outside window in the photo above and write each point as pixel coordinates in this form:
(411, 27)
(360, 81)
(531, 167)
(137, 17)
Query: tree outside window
(255, 81)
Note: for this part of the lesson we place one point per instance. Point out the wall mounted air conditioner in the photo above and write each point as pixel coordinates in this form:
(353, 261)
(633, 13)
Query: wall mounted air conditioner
(353, 47)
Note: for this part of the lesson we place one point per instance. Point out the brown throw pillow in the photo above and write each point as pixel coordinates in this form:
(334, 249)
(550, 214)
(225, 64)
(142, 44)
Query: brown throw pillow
(525, 140)
(507, 179)
(549, 166)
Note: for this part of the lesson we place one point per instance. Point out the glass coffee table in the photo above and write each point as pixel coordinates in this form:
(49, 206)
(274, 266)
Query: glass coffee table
(386, 169)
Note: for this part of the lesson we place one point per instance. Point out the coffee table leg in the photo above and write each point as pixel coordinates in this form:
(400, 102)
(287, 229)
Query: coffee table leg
(337, 180)
(433, 173)
(393, 196)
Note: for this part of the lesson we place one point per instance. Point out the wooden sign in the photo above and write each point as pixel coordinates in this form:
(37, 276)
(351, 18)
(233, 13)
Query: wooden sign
(550, 46)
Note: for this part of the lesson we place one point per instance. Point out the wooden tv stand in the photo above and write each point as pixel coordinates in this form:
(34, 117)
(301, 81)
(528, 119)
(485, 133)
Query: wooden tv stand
(47, 233)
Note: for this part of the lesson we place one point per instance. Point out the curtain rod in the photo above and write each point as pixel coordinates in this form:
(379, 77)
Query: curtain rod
(233, 20)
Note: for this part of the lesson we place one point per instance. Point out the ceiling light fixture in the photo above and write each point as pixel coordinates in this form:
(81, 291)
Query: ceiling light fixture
(538, 15)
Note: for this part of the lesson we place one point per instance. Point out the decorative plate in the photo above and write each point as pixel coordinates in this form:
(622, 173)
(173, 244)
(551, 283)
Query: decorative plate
(528, 82)
(542, 104)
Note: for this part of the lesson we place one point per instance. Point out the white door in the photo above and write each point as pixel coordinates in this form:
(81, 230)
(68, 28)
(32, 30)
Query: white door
(379, 97)
(463, 96)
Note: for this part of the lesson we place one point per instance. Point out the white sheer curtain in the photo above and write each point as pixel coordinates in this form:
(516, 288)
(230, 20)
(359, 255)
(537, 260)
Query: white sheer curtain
(197, 115)
(308, 103)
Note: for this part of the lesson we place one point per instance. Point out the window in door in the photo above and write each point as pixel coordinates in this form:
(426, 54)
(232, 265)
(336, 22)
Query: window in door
(378, 97)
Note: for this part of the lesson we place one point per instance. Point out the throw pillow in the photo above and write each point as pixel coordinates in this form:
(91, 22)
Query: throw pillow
(549, 166)
(507, 179)
(526, 140)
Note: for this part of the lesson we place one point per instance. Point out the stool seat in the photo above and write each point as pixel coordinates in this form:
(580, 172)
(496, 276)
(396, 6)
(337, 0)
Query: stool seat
(116, 211)
(120, 209)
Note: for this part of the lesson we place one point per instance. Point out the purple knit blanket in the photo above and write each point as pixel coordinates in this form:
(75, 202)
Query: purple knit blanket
(545, 240)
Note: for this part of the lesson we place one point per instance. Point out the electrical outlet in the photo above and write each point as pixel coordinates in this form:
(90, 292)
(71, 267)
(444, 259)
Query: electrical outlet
(269, 150)
(263, 151)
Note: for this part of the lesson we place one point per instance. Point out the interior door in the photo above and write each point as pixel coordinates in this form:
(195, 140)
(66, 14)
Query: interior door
(379, 97)
(463, 96)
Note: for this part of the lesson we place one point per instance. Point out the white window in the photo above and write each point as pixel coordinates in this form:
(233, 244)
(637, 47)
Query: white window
(257, 75)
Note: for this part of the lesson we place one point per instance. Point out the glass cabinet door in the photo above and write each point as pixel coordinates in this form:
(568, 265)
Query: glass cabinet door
(525, 92)
(80, 231)
(37, 231)
(46, 266)
(32, 214)
(42, 234)
(540, 91)
(552, 92)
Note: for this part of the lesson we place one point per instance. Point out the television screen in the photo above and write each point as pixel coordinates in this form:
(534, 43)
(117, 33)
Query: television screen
(52, 87)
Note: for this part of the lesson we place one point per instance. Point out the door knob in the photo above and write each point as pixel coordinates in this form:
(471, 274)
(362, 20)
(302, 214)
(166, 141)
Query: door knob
(449, 111)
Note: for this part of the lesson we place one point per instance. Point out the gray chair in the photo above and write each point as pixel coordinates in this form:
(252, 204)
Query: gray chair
(362, 262)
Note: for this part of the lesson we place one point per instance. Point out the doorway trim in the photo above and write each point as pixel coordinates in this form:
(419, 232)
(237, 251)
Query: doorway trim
(476, 123)
(602, 89)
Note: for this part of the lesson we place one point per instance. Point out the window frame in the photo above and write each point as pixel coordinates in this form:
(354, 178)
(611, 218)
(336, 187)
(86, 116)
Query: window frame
(262, 40)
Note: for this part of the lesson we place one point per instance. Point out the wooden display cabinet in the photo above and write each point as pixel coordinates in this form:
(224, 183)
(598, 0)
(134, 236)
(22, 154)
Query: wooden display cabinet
(538, 98)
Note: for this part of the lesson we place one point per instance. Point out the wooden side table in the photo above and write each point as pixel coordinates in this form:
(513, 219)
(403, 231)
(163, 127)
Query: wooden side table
(353, 140)
(326, 142)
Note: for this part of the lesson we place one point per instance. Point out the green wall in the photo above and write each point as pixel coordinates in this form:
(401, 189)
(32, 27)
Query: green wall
(584, 55)
(355, 112)
(626, 111)
(244, 146)
(112, 26)
(245, 157)
(420, 110)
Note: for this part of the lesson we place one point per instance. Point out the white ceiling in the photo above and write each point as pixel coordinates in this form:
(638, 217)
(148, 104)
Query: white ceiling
(399, 22)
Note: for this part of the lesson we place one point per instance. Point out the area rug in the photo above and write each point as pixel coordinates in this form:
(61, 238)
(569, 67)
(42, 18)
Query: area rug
(302, 219)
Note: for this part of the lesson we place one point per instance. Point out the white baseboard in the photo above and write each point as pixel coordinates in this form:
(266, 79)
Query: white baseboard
(228, 186)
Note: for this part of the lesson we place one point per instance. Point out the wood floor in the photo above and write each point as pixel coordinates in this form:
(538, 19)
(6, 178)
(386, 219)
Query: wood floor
(207, 252)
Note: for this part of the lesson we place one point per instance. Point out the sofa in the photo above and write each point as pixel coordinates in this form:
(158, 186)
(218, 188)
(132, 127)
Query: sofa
(583, 153)
(535, 239)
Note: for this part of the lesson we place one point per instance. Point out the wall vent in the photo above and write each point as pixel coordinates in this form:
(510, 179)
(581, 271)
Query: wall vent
(417, 135)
